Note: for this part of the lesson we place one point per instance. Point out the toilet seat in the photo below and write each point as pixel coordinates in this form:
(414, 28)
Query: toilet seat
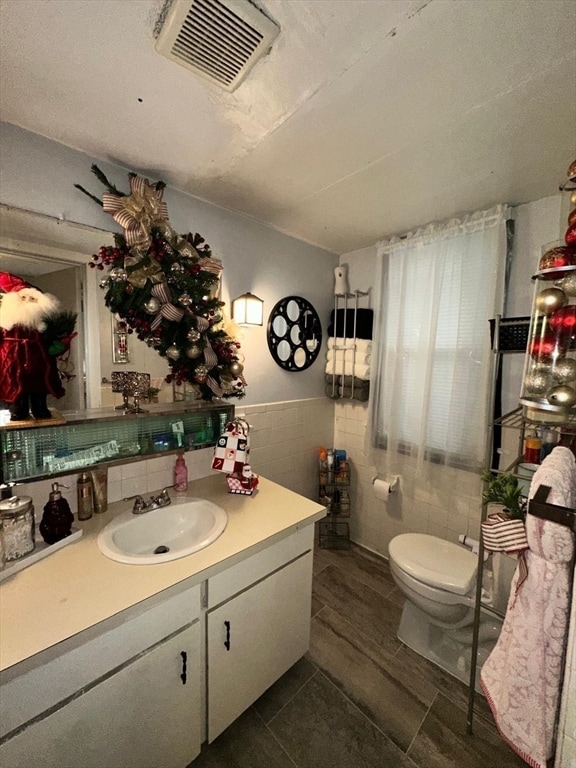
(433, 561)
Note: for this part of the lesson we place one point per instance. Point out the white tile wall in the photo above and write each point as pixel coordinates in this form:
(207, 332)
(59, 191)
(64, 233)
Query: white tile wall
(446, 503)
(285, 438)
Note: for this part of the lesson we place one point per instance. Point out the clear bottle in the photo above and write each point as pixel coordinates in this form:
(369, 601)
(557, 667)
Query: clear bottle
(85, 497)
(180, 474)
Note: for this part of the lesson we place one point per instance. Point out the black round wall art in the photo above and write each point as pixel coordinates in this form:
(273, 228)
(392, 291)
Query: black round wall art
(294, 334)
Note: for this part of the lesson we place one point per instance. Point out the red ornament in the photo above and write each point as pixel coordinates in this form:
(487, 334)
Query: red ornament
(570, 236)
(546, 347)
(560, 256)
(563, 321)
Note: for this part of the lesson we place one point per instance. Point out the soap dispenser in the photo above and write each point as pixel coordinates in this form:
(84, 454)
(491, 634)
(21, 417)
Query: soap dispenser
(57, 518)
(180, 474)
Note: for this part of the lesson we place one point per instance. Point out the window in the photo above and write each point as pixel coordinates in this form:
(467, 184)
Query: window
(436, 291)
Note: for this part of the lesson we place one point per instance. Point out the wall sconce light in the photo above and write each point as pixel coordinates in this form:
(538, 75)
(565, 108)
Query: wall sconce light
(248, 310)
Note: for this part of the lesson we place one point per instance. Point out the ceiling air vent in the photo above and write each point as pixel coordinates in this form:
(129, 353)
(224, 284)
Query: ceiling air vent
(220, 41)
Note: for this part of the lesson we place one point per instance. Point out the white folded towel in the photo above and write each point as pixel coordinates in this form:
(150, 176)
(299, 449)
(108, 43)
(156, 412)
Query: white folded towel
(349, 355)
(361, 371)
(361, 345)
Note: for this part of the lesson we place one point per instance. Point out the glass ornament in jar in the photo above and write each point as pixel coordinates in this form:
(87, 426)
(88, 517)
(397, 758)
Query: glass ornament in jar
(549, 377)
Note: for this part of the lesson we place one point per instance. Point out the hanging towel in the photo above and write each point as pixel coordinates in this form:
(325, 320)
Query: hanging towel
(344, 368)
(522, 676)
(348, 355)
(360, 345)
(358, 323)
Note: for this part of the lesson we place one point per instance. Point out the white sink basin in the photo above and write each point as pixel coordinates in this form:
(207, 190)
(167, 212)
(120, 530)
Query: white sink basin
(163, 534)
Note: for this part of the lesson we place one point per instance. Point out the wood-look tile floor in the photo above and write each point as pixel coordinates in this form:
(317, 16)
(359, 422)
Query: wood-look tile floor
(359, 698)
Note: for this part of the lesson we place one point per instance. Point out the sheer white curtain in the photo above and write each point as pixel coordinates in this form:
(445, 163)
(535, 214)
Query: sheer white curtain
(435, 293)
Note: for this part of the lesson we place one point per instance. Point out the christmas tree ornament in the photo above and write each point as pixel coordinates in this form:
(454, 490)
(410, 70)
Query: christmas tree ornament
(550, 299)
(193, 352)
(235, 368)
(193, 334)
(201, 374)
(173, 352)
(104, 283)
(563, 321)
(568, 283)
(555, 256)
(536, 382)
(177, 268)
(152, 306)
(118, 275)
(546, 347)
(185, 299)
(565, 370)
(562, 395)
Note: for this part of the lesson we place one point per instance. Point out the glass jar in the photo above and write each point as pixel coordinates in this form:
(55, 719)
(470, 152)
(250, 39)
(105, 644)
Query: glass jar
(549, 378)
(17, 516)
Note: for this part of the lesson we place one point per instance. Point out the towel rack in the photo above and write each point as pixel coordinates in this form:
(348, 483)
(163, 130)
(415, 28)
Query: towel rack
(539, 507)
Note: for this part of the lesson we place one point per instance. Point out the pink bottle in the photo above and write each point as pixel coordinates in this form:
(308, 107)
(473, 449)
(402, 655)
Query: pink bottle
(180, 474)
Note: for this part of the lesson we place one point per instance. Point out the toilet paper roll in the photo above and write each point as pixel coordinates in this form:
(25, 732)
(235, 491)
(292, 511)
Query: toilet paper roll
(382, 489)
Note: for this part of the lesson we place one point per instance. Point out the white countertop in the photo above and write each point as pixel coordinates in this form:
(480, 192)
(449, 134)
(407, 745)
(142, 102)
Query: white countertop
(77, 587)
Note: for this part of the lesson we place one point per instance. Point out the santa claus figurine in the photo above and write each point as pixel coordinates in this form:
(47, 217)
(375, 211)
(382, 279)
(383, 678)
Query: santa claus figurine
(28, 373)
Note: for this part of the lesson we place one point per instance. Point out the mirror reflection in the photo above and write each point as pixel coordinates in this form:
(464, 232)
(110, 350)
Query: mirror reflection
(27, 249)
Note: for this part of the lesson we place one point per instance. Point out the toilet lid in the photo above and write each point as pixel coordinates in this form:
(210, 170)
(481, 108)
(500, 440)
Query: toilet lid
(434, 561)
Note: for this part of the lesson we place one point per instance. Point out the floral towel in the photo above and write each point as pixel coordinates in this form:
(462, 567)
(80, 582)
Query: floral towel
(522, 676)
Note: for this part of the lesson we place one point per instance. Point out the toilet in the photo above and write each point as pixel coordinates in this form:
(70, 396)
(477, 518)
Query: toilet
(438, 579)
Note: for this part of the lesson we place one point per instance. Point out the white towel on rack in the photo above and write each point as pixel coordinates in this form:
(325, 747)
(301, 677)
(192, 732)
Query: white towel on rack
(344, 368)
(349, 356)
(522, 676)
(361, 345)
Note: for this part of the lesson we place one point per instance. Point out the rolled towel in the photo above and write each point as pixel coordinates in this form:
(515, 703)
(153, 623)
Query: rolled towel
(347, 369)
(349, 355)
(361, 345)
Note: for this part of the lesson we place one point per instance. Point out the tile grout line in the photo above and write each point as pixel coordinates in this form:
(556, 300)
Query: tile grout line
(316, 670)
(421, 724)
(365, 717)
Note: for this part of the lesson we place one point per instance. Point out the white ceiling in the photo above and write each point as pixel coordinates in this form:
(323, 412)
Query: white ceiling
(367, 118)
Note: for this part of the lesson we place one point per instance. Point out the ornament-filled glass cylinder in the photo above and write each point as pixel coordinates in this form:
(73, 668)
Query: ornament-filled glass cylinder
(549, 378)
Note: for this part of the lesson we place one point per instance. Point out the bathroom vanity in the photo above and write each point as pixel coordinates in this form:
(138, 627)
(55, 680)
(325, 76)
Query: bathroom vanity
(104, 663)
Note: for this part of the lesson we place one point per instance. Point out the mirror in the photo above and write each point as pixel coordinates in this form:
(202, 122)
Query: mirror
(294, 334)
(54, 256)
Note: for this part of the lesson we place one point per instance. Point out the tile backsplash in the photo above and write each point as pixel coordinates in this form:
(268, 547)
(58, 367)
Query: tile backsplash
(284, 436)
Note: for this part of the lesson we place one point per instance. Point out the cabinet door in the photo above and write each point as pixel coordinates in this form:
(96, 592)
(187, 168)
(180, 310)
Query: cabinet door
(143, 716)
(254, 638)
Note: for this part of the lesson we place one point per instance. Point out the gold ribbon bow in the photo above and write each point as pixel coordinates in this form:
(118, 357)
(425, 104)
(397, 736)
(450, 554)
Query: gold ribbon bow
(137, 212)
(167, 309)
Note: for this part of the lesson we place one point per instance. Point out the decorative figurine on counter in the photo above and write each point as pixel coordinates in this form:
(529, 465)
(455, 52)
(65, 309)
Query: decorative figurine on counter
(231, 456)
(34, 331)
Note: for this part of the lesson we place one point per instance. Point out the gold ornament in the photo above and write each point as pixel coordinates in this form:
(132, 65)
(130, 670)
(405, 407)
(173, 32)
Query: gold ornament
(536, 382)
(193, 335)
(235, 368)
(562, 395)
(568, 284)
(550, 299)
(152, 306)
(201, 374)
(193, 352)
(565, 370)
(173, 352)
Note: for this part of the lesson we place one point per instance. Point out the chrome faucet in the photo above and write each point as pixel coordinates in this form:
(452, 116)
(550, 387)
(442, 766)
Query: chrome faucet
(155, 502)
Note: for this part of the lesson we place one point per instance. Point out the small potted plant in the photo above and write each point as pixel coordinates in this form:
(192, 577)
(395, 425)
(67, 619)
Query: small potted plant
(152, 394)
(503, 488)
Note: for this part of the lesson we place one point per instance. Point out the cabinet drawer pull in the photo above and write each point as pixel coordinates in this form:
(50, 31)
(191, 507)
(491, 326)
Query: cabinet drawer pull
(227, 641)
(184, 675)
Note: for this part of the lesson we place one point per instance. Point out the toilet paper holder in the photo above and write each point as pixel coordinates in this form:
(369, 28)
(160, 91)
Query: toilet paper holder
(393, 483)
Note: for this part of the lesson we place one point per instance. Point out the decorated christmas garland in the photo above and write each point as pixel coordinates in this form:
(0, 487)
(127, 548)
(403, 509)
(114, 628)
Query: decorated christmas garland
(165, 286)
